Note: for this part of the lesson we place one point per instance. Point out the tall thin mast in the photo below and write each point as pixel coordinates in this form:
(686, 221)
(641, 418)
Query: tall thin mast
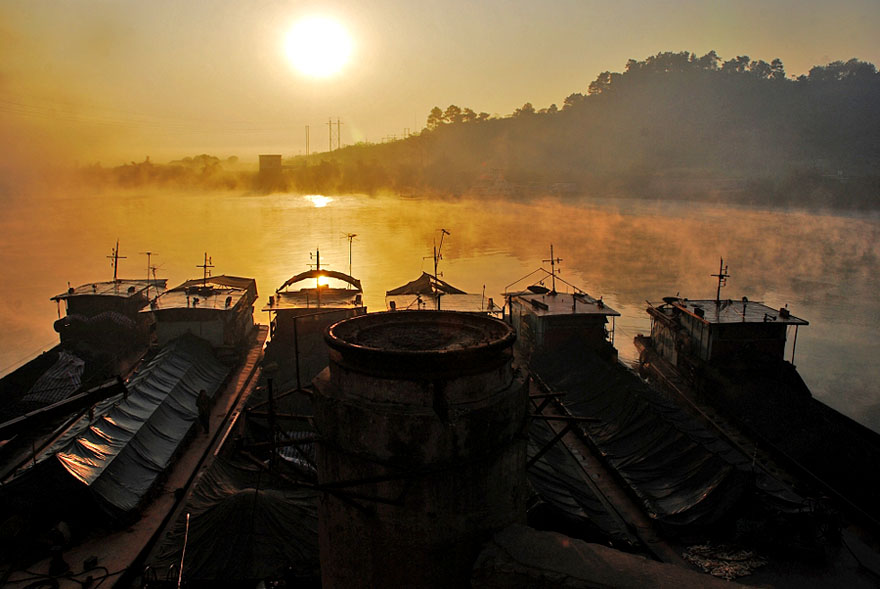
(553, 261)
(115, 257)
(204, 266)
(149, 267)
(350, 237)
(722, 280)
(317, 274)
(438, 255)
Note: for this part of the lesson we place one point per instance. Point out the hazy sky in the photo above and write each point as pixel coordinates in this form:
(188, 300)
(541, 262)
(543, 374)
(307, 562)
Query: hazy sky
(112, 81)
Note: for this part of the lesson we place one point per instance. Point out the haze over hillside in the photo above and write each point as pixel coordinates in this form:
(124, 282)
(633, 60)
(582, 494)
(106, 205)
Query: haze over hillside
(672, 125)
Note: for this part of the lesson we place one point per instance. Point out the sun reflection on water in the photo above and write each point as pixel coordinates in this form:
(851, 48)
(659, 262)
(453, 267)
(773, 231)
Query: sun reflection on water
(318, 200)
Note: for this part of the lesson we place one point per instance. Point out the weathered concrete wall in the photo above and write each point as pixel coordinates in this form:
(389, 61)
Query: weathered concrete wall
(420, 469)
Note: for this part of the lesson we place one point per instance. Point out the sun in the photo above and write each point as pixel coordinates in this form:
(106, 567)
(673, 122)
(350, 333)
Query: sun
(318, 46)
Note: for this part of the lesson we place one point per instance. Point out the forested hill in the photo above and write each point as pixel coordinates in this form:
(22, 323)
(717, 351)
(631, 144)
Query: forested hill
(673, 125)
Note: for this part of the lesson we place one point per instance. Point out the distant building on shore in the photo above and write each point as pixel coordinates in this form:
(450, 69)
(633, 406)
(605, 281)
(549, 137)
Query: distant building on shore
(270, 164)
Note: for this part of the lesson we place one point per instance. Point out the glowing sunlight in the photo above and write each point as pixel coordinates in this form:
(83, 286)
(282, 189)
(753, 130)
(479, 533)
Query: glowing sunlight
(318, 200)
(318, 46)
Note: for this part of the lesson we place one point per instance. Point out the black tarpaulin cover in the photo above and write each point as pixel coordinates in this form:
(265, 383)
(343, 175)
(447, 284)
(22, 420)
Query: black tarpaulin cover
(426, 285)
(133, 438)
(557, 478)
(683, 473)
(246, 524)
(57, 383)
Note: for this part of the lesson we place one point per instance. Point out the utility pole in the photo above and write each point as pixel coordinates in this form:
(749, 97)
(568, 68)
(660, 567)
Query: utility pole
(338, 134)
(330, 133)
(307, 141)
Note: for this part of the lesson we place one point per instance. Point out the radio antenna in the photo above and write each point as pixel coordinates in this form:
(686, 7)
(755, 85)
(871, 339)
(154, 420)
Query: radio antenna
(553, 261)
(150, 267)
(350, 237)
(116, 257)
(207, 264)
(722, 280)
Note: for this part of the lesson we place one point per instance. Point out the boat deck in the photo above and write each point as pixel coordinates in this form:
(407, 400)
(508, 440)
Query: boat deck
(563, 303)
(857, 566)
(120, 552)
(619, 505)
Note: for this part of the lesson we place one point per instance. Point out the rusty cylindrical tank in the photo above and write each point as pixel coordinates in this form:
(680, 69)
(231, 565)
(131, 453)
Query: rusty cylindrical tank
(422, 455)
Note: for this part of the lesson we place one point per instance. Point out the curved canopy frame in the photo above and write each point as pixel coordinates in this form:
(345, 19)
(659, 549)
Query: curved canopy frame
(318, 274)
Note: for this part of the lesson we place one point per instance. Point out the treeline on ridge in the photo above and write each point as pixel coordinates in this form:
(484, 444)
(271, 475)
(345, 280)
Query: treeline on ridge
(674, 125)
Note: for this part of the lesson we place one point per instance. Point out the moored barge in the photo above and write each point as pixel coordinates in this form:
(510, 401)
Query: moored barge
(726, 358)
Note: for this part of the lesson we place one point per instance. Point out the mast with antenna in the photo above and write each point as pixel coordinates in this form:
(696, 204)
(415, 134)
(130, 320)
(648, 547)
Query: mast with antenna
(553, 261)
(722, 280)
(317, 278)
(204, 266)
(149, 255)
(116, 257)
(350, 237)
(437, 251)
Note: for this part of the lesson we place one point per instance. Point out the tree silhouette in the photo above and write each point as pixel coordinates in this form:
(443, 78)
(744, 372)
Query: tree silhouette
(526, 109)
(435, 118)
(452, 114)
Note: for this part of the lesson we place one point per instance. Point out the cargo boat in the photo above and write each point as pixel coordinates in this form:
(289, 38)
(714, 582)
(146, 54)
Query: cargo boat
(725, 359)
(299, 312)
(102, 335)
(615, 460)
(105, 473)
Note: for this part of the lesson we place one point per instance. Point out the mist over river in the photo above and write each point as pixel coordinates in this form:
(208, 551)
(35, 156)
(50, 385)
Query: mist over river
(824, 266)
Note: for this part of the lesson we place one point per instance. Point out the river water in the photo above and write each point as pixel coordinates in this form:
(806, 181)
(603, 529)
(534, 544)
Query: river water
(824, 266)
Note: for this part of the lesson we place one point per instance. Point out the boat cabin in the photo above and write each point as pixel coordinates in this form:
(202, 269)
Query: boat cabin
(122, 296)
(713, 330)
(219, 309)
(545, 320)
(304, 306)
(95, 308)
(312, 292)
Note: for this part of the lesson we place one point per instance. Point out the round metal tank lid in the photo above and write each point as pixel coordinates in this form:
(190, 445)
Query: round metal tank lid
(427, 342)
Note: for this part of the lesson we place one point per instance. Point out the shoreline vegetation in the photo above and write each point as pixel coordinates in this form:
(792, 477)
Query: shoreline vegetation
(674, 126)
